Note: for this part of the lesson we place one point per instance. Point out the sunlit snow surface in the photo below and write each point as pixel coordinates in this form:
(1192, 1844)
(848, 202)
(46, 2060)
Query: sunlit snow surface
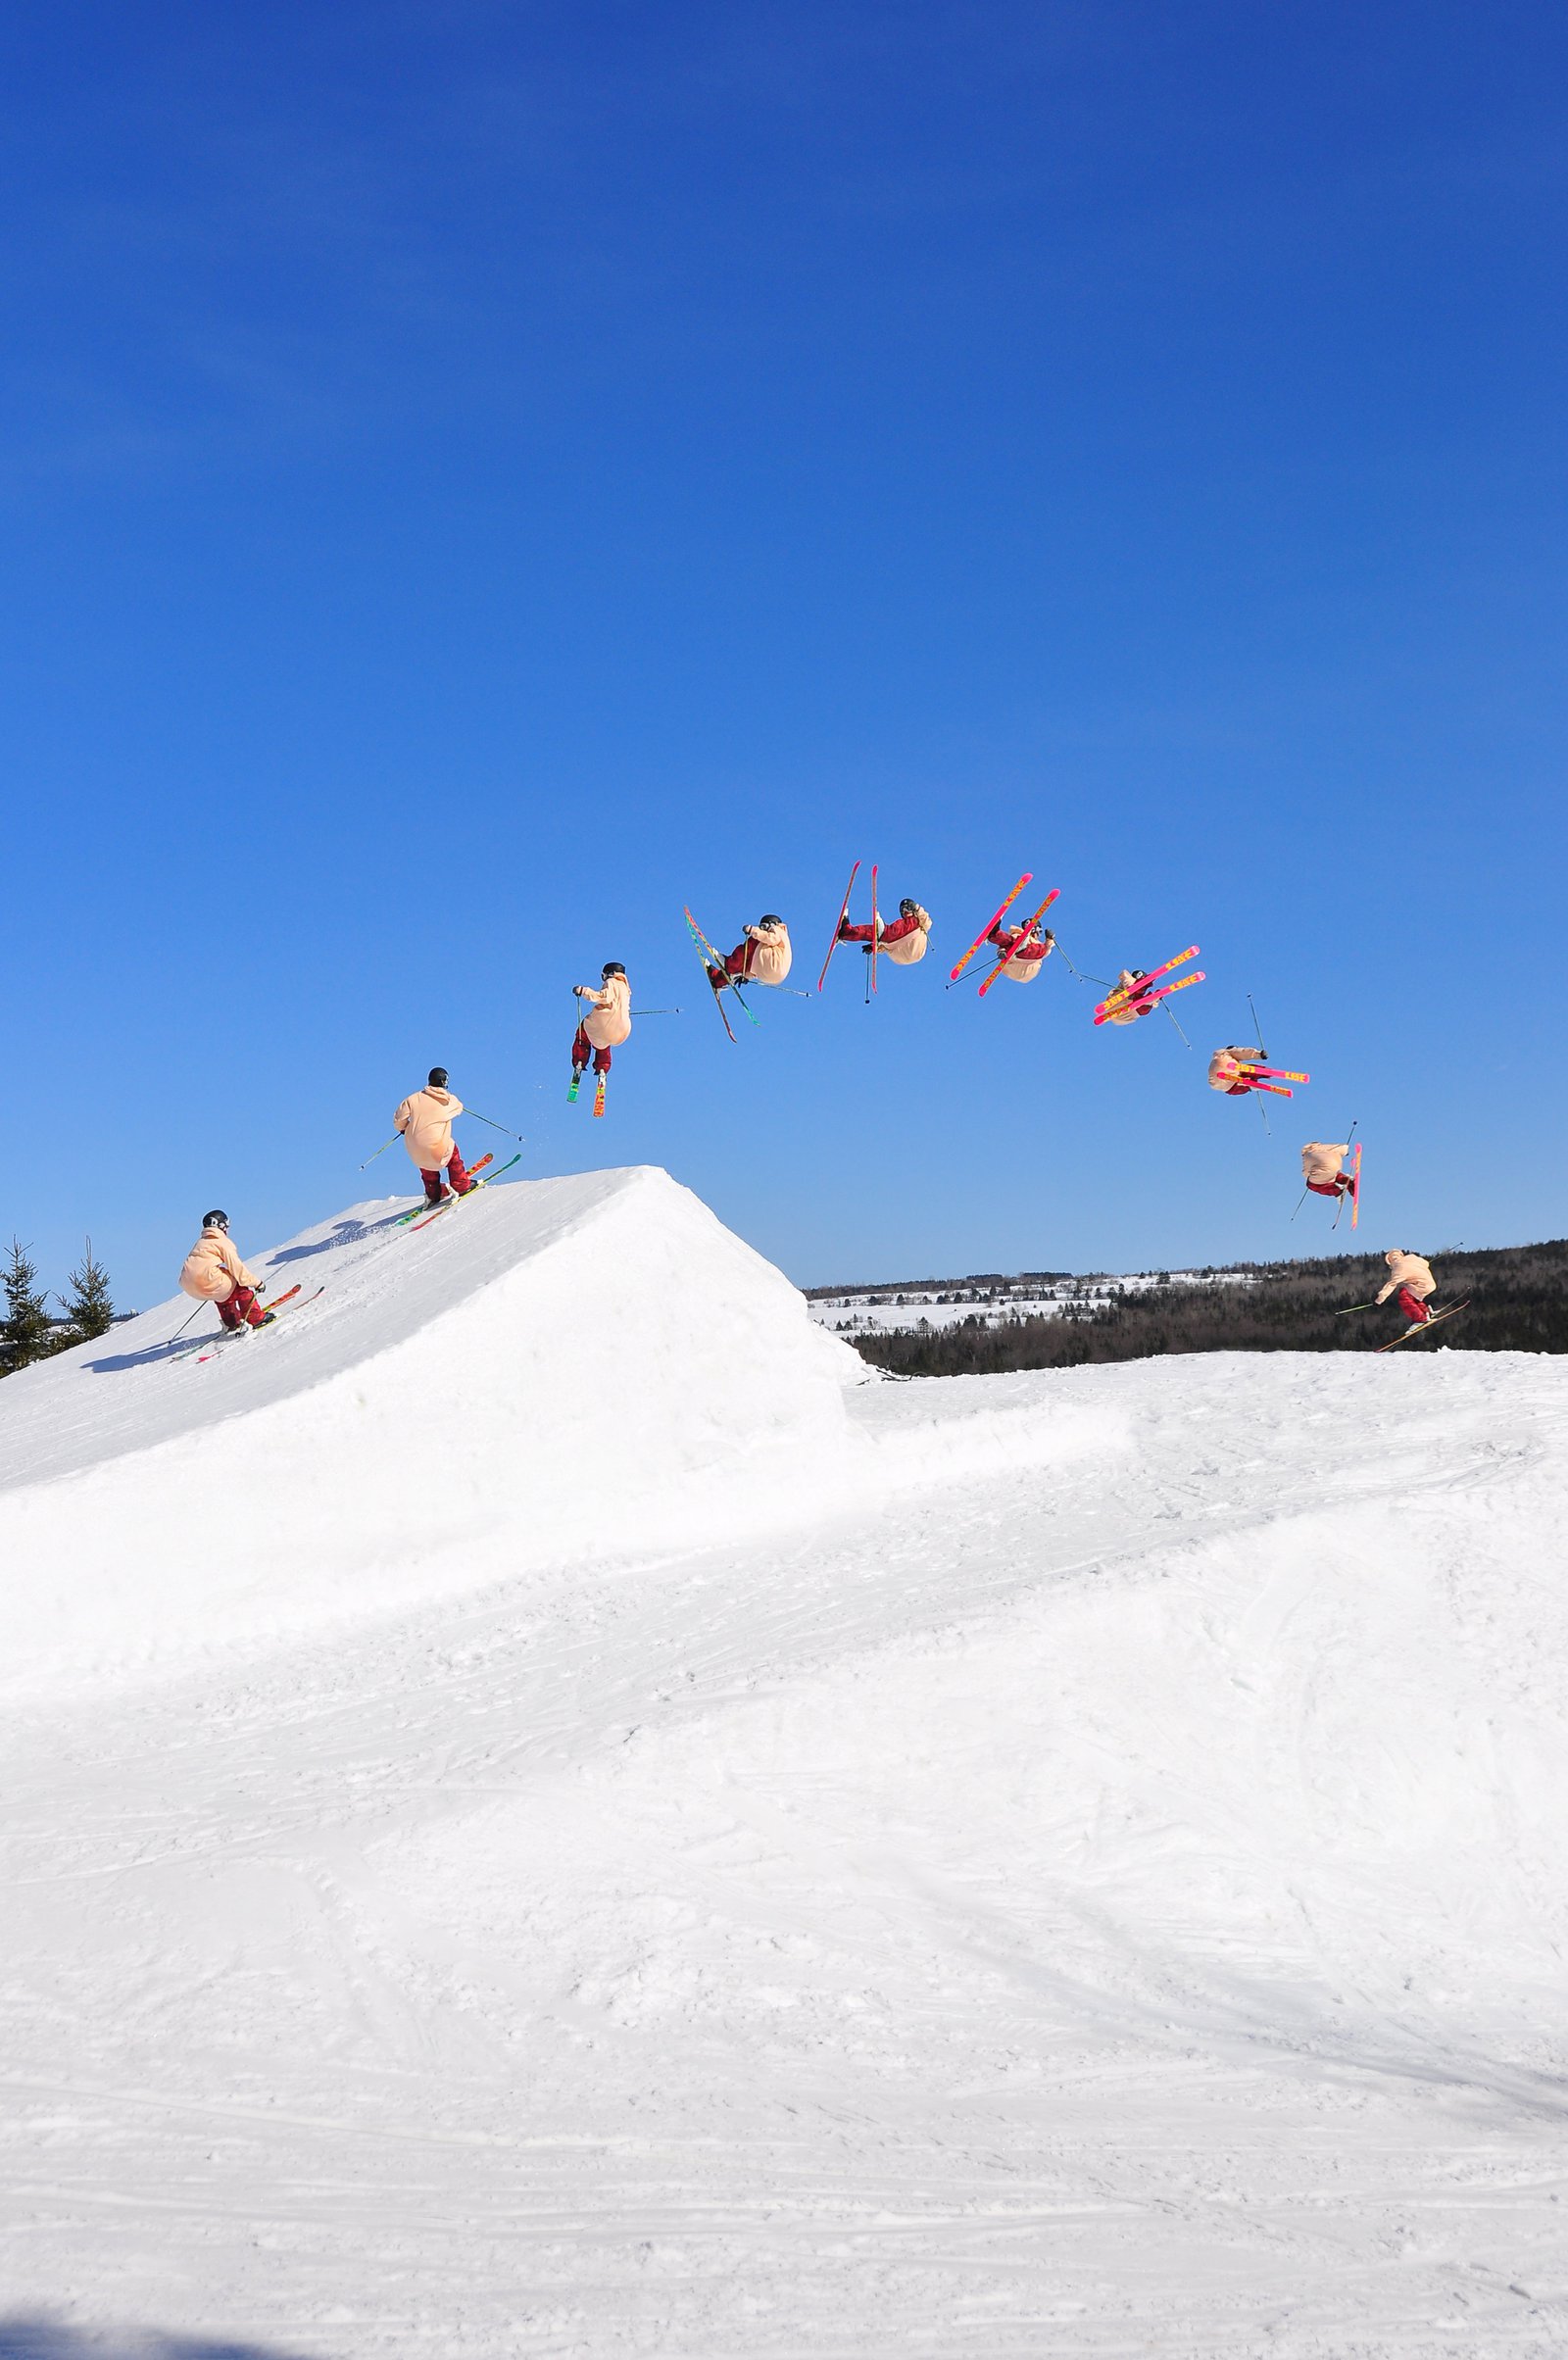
(547, 1814)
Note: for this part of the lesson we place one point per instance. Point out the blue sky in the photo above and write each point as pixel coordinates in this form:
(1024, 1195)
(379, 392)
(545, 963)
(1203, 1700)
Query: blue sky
(475, 477)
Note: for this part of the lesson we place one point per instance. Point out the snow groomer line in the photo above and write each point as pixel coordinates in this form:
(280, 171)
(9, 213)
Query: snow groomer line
(1017, 949)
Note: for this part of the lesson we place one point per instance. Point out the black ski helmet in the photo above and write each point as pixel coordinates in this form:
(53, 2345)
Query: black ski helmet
(439, 1078)
(612, 966)
(907, 907)
(216, 1220)
(769, 918)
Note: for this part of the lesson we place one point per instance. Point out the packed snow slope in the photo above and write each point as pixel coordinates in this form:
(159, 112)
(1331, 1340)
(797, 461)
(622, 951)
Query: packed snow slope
(550, 1812)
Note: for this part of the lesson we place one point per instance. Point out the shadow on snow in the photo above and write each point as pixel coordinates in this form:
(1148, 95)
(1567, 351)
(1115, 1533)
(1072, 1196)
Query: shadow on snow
(46, 2340)
(347, 1233)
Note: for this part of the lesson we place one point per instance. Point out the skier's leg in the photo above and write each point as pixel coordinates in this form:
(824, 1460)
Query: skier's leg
(229, 1309)
(457, 1174)
(433, 1186)
(600, 1061)
(251, 1313)
(1413, 1307)
(854, 934)
(581, 1048)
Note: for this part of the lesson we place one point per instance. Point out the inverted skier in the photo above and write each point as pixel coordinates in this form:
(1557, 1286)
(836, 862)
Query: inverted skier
(1226, 1070)
(904, 941)
(761, 955)
(1133, 1003)
(1021, 960)
(1321, 1170)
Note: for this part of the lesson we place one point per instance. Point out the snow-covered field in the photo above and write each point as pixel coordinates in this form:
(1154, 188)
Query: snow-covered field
(551, 1813)
(951, 1301)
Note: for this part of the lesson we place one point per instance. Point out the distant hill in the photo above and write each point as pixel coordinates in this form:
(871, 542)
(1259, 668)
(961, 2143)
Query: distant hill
(1519, 1303)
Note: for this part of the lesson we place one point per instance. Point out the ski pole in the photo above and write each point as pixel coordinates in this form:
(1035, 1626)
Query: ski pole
(1172, 1015)
(495, 1126)
(1081, 974)
(380, 1151)
(1354, 1307)
(659, 1012)
(1256, 1027)
(183, 1325)
(1301, 1200)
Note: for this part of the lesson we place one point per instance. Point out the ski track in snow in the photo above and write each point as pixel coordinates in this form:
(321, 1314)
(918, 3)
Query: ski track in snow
(1062, 1864)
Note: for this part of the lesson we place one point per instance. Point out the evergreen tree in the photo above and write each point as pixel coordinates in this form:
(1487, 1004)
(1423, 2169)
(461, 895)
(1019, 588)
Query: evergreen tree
(88, 1307)
(25, 1331)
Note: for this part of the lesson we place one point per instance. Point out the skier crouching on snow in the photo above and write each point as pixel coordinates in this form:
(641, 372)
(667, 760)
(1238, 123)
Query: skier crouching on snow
(606, 1023)
(426, 1119)
(1414, 1280)
(214, 1273)
(904, 941)
(761, 955)
(1320, 1169)
(1022, 960)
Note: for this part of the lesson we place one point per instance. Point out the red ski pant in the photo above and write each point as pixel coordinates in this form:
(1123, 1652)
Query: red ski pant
(457, 1172)
(1331, 1188)
(582, 1049)
(1413, 1307)
(241, 1309)
(892, 933)
(739, 961)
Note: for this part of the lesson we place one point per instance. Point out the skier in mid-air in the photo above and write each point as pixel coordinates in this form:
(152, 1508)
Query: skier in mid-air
(1320, 1169)
(1133, 1003)
(214, 1273)
(1021, 960)
(761, 955)
(1412, 1275)
(904, 941)
(1225, 1069)
(425, 1118)
(605, 1022)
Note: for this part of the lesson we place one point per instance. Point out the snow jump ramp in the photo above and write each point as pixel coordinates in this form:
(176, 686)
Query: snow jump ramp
(548, 1813)
(565, 1368)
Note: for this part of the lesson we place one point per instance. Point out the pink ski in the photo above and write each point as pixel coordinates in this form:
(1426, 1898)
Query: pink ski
(875, 926)
(1004, 961)
(843, 912)
(1027, 878)
(1120, 993)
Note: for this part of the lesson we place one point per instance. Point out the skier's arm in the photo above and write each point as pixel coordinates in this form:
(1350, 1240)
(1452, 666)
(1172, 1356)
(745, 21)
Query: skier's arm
(236, 1269)
(1383, 1296)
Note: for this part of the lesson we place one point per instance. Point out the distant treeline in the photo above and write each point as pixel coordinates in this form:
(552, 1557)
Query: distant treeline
(1519, 1303)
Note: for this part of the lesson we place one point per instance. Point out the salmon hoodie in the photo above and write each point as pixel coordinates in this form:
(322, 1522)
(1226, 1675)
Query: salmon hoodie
(213, 1269)
(426, 1119)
